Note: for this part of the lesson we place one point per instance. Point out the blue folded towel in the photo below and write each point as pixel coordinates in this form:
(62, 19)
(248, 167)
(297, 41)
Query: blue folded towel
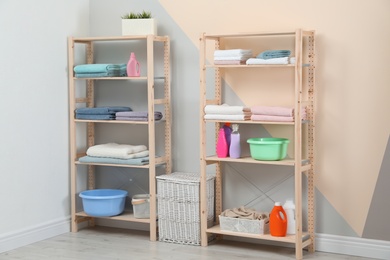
(98, 74)
(271, 54)
(95, 117)
(101, 110)
(135, 161)
(96, 68)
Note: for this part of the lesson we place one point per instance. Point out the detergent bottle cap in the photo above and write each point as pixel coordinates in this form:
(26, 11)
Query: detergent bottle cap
(277, 204)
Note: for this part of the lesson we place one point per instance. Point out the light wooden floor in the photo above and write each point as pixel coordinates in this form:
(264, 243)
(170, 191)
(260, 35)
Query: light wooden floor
(110, 243)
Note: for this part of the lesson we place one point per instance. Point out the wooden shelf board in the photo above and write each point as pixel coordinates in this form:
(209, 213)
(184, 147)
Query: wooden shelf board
(287, 239)
(248, 34)
(287, 162)
(252, 66)
(126, 216)
(118, 38)
(249, 122)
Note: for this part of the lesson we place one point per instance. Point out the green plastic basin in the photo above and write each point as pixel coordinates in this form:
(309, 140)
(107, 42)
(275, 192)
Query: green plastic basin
(268, 149)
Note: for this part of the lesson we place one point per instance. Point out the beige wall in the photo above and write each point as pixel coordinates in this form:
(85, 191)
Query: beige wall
(353, 52)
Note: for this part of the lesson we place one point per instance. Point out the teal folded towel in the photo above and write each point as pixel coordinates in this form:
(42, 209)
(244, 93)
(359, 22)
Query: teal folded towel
(271, 54)
(115, 73)
(96, 68)
(135, 161)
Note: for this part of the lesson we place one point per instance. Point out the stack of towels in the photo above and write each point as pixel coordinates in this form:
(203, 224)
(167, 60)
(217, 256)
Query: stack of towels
(226, 112)
(275, 114)
(137, 116)
(231, 57)
(245, 213)
(113, 153)
(272, 57)
(99, 113)
(100, 70)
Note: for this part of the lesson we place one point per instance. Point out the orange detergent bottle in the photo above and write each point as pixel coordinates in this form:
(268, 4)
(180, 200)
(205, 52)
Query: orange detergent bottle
(278, 221)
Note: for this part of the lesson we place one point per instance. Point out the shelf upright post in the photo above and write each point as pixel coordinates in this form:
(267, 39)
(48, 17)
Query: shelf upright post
(72, 136)
(298, 143)
(151, 137)
(202, 123)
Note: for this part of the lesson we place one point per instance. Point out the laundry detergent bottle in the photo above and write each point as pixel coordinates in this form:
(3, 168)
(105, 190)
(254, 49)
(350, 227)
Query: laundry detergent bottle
(289, 207)
(222, 147)
(235, 146)
(278, 221)
(133, 68)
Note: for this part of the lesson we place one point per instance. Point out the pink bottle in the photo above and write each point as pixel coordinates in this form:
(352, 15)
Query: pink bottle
(133, 68)
(222, 148)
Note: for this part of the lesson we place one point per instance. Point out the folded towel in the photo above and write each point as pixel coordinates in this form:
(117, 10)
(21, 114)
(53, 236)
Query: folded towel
(275, 61)
(244, 213)
(226, 117)
(96, 68)
(119, 151)
(140, 114)
(271, 54)
(225, 109)
(236, 58)
(101, 110)
(275, 111)
(136, 161)
(232, 52)
(272, 118)
(94, 117)
(229, 62)
(98, 74)
(272, 110)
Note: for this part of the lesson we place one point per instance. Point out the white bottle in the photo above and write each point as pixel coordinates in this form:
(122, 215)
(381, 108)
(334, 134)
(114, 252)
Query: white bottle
(289, 207)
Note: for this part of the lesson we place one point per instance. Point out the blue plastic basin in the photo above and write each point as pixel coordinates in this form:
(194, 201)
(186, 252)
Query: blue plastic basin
(103, 202)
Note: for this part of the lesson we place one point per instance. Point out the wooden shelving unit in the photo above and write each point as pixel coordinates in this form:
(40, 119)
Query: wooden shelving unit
(302, 97)
(150, 42)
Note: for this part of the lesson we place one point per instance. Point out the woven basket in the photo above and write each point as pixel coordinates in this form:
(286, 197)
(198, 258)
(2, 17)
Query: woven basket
(179, 207)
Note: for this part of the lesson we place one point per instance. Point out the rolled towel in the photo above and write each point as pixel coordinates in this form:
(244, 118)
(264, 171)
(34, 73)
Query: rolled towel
(275, 61)
(225, 109)
(114, 150)
(271, 54)
(232, 52)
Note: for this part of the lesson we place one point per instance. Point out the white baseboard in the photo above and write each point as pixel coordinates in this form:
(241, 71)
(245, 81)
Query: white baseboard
(34, 234)
(356, 246)
(377, 249)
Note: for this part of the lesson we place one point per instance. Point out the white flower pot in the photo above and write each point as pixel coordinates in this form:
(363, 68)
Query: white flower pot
(139, 26)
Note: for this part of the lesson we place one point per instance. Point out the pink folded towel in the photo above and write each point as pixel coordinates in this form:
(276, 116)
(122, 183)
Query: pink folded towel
(275, 111)
(272, 118)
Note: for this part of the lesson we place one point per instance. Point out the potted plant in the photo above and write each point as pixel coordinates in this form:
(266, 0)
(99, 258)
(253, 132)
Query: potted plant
(138, 24)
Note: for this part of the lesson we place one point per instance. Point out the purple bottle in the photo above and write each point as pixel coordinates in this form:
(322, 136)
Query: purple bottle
(235, 146)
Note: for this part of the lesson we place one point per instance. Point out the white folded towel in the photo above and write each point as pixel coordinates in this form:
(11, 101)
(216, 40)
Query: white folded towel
(227, 117)
(114, 150)
(225, 109)
(275, 61)
(232, 52)
(238, 57)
